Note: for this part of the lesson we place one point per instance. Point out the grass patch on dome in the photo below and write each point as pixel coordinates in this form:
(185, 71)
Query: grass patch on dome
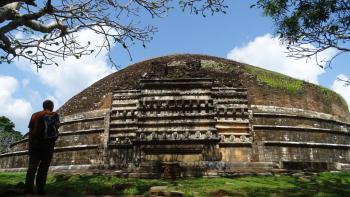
(323, 184)
(330, 96)
(276, 80)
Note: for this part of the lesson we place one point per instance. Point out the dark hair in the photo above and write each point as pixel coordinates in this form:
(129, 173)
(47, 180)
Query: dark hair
(47, 104)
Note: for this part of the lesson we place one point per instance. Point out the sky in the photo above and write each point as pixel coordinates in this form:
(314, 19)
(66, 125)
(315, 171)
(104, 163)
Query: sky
(243, 34)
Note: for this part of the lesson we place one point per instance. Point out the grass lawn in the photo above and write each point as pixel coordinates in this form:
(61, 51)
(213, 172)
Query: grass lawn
(324, 184)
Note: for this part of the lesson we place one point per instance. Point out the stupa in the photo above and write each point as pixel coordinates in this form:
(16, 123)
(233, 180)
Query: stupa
(198, 115)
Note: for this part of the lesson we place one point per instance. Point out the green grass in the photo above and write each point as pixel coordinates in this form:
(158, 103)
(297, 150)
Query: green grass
(276, 80)
(293, 86)
(330, 96)
(324, 184)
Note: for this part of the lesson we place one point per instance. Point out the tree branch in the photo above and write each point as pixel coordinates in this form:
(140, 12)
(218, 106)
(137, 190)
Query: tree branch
(5, 2)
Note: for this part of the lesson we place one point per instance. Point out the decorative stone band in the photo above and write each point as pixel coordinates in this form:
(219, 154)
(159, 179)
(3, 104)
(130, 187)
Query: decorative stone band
(263, 114)
(264, 110)
(306, 144)
(193, 82)
(19, 142)
(85, 116)
(24, 152)
(295, 128)
(84, 131)
(57, 149)
(213, 140)
(235, 144)
(56, 168)
(64, 133)
(167, 136)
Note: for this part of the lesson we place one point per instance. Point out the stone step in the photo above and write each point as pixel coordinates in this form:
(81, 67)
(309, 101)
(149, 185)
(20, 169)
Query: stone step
(125, 129)
(232, 127)
(125, 108)
(180, 114)
(232, 106)
(126, 97)
(176, 129)
(342, 166)
(176, 92)
(232, 133)
(238, 89)
(232, 121)
(229, 94)
(175, 122)
(122, 135)
(123, 123)
(251, 165)
(230, 101)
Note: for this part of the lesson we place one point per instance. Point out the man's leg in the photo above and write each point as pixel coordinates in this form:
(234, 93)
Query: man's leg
(43, 169)
(34, 159)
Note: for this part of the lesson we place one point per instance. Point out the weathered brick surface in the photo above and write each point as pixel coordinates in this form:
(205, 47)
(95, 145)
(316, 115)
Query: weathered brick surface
(77, 157)
(304, 154)
(236, 154)
(79, 139)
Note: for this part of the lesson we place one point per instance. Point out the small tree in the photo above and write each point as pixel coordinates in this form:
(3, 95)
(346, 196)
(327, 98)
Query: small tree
(7, 133)
(41, 31)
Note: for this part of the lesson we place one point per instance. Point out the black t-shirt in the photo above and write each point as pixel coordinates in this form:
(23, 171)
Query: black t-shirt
(38, 124)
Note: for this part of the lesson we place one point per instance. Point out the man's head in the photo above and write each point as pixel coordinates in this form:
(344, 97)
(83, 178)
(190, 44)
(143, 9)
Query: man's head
(48, 105)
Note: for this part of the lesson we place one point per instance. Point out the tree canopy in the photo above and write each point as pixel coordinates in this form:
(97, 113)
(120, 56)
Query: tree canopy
(324, 24)
(42, 30)
(7, 133)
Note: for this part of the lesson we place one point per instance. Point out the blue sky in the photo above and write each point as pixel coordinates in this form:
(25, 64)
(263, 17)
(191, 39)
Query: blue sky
(243, 34)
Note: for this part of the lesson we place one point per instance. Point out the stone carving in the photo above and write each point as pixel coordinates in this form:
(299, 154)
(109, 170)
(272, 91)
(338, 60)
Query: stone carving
(208, 134)
(186, 134)
(162, 136)
(232, 138)
(175, 136)
(142, 136)
(197, 134)
(153, 136)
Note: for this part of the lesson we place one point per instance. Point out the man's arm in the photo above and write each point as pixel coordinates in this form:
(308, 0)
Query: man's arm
(31, 125)
(58, 123)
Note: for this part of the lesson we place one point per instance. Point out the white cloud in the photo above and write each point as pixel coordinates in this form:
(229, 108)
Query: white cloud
(72, 75)
(268, 52)
(18, 110)
(342, 89)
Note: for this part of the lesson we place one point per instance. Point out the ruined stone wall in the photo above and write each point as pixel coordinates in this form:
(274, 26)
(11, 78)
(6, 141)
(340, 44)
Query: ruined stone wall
(296, 135)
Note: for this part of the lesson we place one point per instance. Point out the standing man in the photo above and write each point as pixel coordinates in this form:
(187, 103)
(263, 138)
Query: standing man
(43, 132)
